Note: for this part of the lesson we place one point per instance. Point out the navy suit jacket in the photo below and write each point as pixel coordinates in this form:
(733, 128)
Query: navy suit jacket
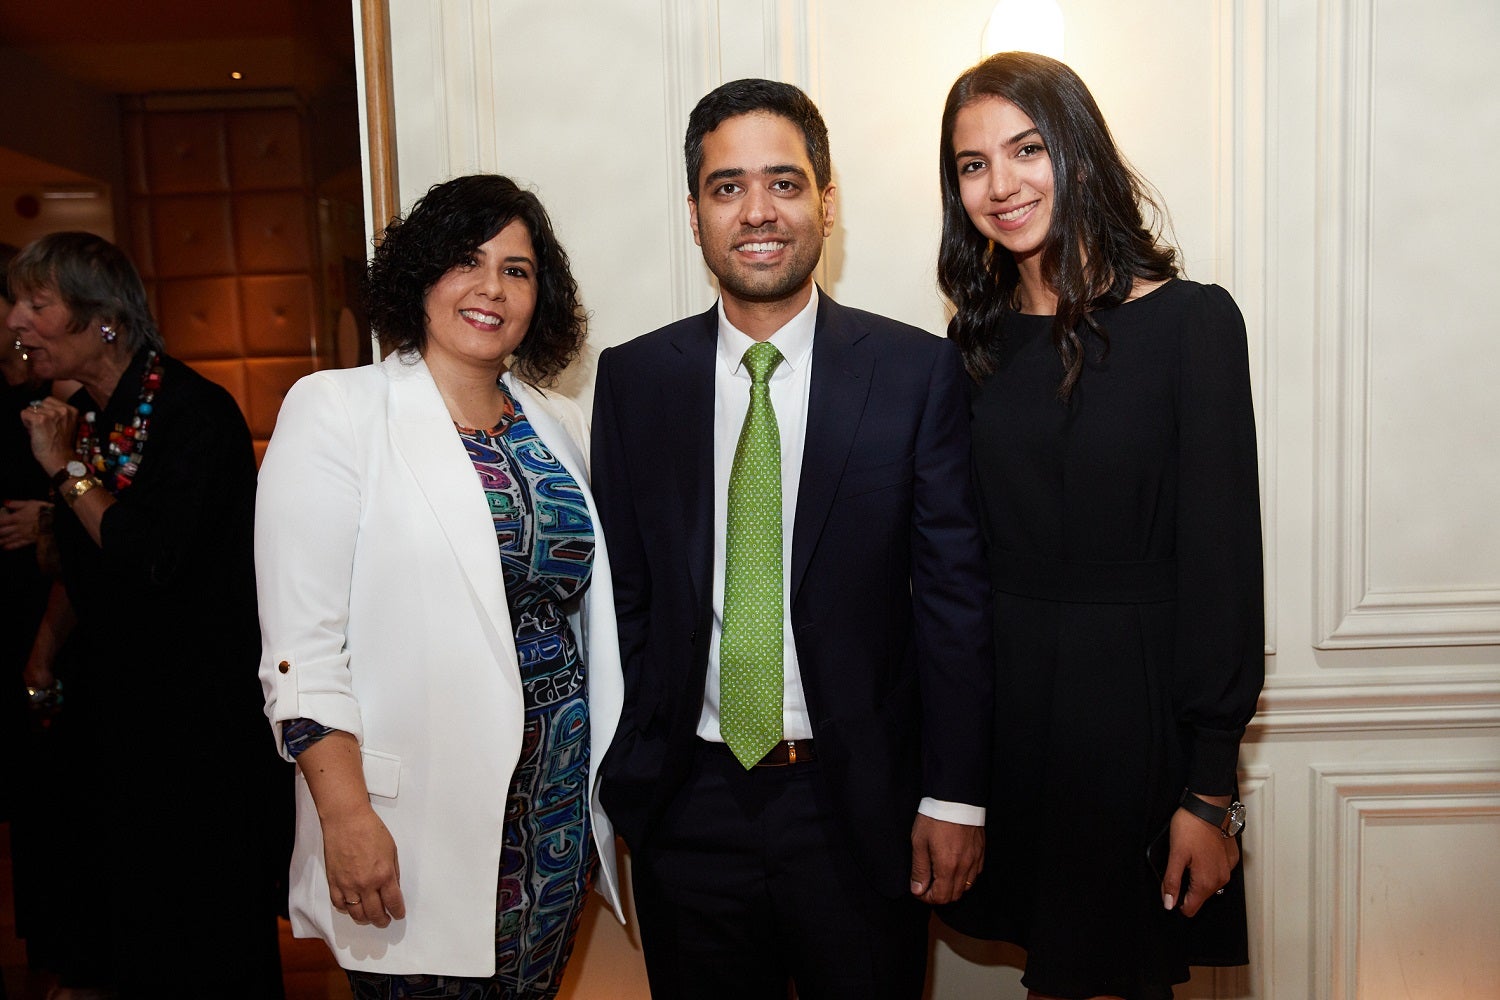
(890, 605)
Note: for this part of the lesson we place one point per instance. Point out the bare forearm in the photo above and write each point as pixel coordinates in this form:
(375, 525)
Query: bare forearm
(56, 625)
(335, 776)
(364, 873)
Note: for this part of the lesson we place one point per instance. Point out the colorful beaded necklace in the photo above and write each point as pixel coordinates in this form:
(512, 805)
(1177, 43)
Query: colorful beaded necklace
(119, 461)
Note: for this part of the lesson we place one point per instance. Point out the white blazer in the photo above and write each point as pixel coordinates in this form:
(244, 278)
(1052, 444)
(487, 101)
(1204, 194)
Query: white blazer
(383, 614)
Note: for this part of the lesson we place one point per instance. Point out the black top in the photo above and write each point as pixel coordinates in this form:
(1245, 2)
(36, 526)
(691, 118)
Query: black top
(175, 571)
(1153, 459)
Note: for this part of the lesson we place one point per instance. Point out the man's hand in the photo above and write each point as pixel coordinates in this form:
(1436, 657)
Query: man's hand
(946, 858)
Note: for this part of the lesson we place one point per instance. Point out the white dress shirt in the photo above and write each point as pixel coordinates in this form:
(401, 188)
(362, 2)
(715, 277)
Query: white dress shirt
(790, 385)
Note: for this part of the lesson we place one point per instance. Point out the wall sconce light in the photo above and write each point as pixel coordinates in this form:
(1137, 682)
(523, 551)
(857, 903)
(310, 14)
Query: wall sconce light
(71, 192)
(1024, 26)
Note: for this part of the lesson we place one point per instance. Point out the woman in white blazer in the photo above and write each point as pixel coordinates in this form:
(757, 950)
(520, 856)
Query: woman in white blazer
(439, 648)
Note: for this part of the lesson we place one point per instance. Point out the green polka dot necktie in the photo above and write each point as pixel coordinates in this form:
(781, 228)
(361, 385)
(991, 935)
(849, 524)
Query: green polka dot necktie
(750, 684)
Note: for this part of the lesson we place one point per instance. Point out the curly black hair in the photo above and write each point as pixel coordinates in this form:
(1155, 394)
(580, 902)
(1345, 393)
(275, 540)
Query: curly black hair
(446, 225)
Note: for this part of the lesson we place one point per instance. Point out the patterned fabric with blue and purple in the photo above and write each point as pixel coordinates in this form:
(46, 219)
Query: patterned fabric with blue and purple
(546, 541)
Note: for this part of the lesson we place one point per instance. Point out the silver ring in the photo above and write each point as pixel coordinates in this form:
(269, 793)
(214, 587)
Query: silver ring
(1218, 892)
(35, 404)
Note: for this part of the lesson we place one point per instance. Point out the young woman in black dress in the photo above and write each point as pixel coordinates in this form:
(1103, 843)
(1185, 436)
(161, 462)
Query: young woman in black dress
(1114, 446)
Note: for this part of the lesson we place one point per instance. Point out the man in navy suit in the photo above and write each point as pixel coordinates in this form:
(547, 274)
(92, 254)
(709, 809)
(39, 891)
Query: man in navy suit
(812, 863)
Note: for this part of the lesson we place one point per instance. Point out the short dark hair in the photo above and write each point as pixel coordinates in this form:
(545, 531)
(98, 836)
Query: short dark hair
(1098, 243)
(449, 222)
(753, 96)
(95, 281)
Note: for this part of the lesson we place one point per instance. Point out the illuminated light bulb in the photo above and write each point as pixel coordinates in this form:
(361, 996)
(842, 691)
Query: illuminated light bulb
(1024, 26)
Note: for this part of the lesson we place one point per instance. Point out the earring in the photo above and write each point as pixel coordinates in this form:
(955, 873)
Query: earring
(108, 333)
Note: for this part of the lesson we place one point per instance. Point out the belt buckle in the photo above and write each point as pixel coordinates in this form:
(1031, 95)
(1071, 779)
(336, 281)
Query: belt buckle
(790, 748)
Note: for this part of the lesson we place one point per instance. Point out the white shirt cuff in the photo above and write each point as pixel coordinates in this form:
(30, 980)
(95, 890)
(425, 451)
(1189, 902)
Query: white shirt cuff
(952, 812)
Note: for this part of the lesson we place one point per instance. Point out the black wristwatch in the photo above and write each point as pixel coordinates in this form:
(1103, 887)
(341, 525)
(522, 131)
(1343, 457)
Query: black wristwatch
(1230, 820)
(73, 470)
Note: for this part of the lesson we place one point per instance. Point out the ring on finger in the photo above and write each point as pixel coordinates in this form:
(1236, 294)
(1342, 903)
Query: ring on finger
(1219, 891)
(352, 902)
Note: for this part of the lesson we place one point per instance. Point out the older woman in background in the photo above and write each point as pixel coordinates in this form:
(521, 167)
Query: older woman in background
(439, 641)
(174, 832)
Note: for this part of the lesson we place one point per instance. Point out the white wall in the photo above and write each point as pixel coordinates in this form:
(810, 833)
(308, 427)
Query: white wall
(1330, 162)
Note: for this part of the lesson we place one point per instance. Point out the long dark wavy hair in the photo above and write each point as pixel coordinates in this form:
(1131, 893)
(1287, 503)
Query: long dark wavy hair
(449, 222)
(1098, 244)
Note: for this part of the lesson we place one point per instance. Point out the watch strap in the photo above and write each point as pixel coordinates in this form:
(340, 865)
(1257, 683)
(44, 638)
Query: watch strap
(78, 489)
(1207, 812)
(69, 471)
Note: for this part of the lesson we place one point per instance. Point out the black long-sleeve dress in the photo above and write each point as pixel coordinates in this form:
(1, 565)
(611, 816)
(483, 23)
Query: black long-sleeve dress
(1124, 541)
(181, 818)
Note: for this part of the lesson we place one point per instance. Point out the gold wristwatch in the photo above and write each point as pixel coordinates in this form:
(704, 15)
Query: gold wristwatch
(70, 494)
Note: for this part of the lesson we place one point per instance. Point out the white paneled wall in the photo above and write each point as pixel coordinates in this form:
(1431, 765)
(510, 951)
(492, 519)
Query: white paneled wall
(1328, 161)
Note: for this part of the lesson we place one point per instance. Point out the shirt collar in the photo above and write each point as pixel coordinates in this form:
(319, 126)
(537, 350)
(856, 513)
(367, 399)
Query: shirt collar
(794, 340)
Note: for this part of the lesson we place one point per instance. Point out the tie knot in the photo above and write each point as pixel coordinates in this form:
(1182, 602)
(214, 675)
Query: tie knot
(761, 360)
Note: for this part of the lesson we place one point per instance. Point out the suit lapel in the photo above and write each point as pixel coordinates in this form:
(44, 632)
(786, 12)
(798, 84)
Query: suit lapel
(423, 434)
(687, 401)
(840, 389)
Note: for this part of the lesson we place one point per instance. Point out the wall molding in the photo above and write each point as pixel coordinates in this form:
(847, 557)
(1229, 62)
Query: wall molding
(1378, 704)
(1244, 221)
(1345, 798)
(702, 44)
(690, 68)
(1350, 612)
(1258, 792)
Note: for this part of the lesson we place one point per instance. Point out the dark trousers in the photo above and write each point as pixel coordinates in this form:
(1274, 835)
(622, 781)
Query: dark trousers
(747, 886)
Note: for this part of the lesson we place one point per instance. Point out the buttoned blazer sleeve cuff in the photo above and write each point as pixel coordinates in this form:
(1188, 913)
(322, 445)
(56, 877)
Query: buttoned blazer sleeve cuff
(952, 812)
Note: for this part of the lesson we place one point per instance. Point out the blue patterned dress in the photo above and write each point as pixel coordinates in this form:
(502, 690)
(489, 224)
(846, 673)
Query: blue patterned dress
(547, 861)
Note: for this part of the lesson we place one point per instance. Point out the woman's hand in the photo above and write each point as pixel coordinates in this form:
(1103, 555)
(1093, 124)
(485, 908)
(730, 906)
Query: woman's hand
(51, 423)
(364, 876)
(1203, 851)
(38, 671)
(20, 523)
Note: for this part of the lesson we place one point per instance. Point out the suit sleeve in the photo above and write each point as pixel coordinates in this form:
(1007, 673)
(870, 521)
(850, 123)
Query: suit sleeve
(610, 482)
(950, 594)
(306, 530)
(1219, 664)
